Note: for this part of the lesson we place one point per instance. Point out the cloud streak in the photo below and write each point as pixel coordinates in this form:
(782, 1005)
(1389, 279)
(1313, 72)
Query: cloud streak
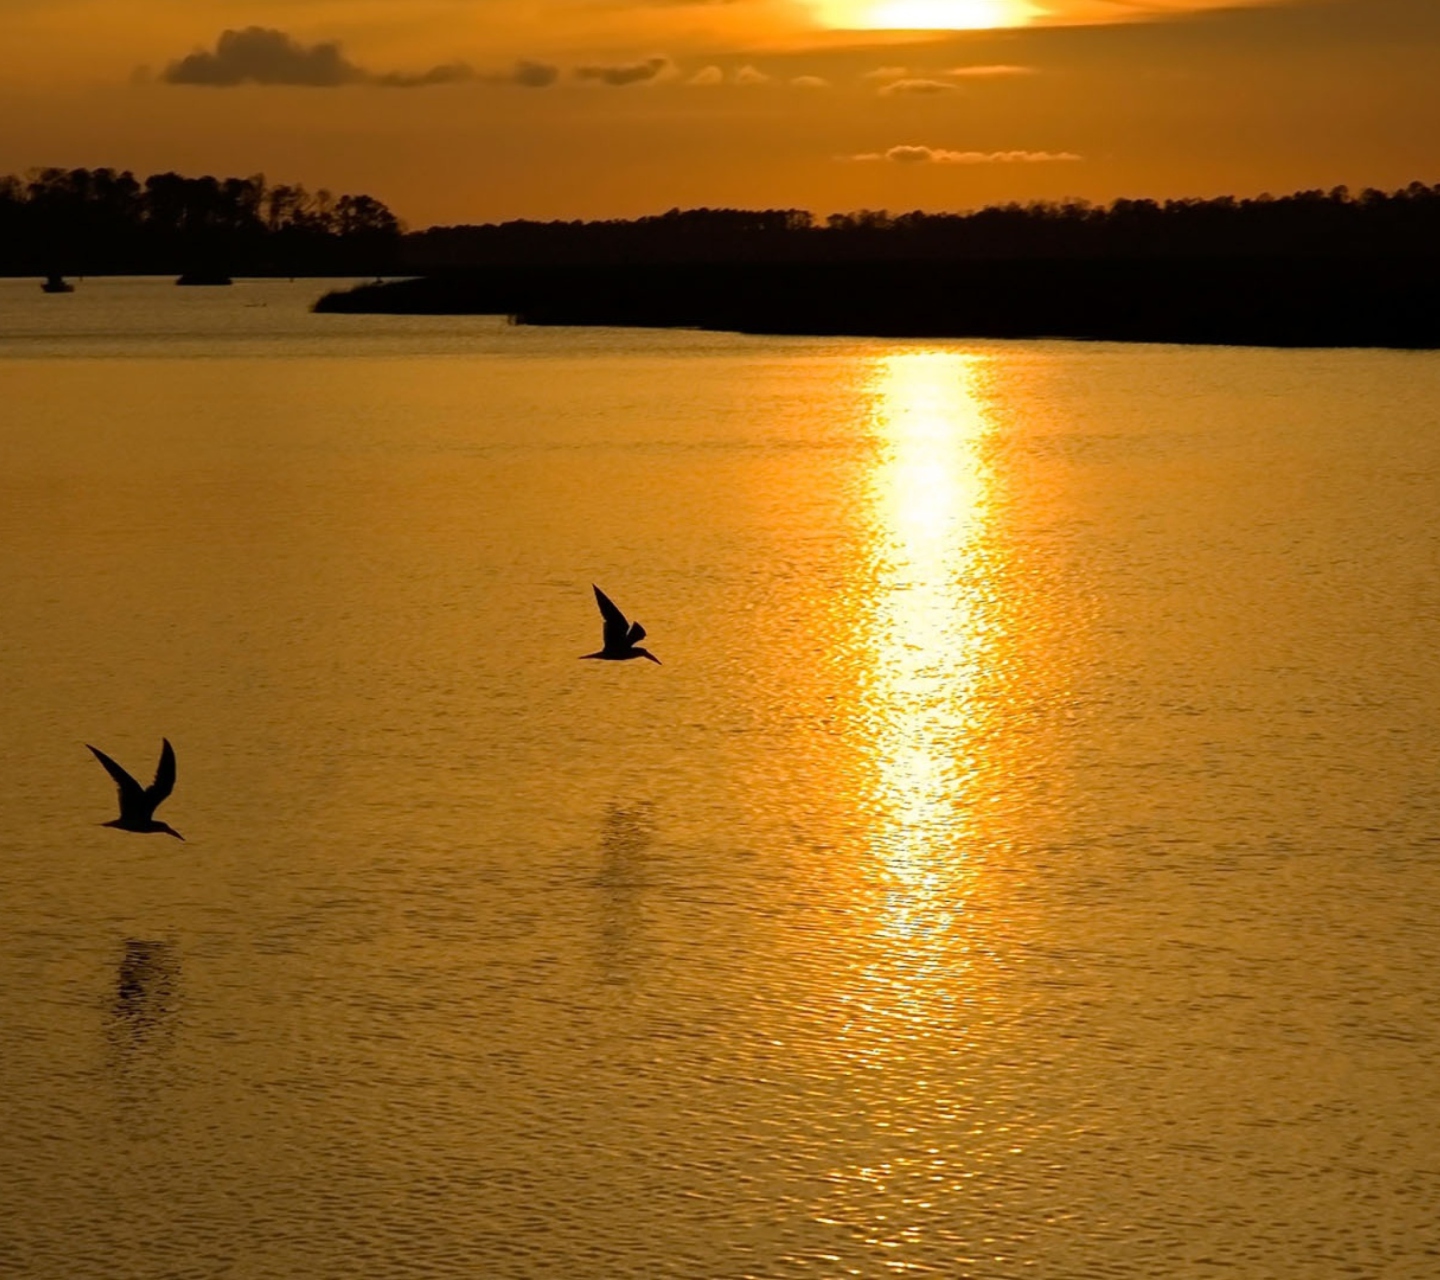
(993, 72)
(905, 80)
(913, 154)
(625, 73)
(912, 87)
(713, 77)
(446, 73)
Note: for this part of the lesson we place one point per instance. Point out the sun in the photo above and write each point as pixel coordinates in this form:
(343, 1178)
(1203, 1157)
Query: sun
(926, 15)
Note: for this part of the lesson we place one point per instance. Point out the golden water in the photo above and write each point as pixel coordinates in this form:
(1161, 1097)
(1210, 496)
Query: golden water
(1025, 861)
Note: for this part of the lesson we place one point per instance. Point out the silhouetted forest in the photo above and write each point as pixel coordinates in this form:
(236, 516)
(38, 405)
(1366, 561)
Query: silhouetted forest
(1307, 224)
(100, 222)
(1311, 269)
(1315, 267)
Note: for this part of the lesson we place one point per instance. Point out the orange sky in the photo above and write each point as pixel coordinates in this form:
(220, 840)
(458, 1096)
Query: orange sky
(474, 110)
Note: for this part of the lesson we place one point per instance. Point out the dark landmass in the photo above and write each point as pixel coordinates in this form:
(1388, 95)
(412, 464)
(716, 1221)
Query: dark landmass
(1312, 269)
(70, 222)
(1258, 302)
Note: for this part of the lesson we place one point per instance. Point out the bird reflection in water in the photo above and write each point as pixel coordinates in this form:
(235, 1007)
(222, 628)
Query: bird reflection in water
(626, 834)
(146, 991)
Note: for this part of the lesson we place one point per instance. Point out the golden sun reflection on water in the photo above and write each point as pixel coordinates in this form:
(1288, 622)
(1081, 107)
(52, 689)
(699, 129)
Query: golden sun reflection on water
(928, 629)
(916, 996)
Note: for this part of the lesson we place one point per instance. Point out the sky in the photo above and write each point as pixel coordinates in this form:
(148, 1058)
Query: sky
(456, 111)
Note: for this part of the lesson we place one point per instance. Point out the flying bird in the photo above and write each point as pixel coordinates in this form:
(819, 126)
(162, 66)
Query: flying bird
(622, 638)
(137, 803)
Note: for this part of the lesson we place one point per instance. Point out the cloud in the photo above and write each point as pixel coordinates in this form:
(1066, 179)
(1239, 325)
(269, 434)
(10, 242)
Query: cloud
(447, 73)
(916, 86)
(625, 73)
(260, 55)
(908, 80)
(914, 154)
(989, 72)
(711, 76)
(263, 55)
(529, 75)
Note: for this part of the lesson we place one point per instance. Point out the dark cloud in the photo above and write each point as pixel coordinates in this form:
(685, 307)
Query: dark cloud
(445, 73)
(260, 55)
(534, 75)
(263, 55)
(625, 73)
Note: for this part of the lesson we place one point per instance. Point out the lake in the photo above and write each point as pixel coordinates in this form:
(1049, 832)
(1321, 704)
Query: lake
(1025, 863)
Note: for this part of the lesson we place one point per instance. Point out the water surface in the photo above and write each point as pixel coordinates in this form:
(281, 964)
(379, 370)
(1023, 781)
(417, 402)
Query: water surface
(1025, 862)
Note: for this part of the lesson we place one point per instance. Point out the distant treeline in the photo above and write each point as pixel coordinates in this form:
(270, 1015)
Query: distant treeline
(100, 222)
(1312, 269)
(1308, 224)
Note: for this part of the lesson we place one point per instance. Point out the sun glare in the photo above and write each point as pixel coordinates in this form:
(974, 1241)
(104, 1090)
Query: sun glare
(927, 15)
(930, 505)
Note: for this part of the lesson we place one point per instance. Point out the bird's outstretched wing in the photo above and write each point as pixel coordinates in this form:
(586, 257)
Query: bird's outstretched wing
(132, 794)
(164, 782)
(616, 628)
(637, 634)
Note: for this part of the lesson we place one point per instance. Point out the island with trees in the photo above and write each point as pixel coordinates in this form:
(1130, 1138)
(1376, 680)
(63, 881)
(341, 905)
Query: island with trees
(1315, 268)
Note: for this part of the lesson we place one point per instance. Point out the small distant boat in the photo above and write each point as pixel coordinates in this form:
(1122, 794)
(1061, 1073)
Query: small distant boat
(205, 278)
(55, 283)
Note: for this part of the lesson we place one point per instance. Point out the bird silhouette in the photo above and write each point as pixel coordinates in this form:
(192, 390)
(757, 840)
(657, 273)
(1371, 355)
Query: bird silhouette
(622, 638)
(137, 803)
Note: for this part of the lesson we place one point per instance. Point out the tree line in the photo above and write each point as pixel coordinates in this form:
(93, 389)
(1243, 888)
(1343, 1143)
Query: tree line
(98, 221)
(1318, 224)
